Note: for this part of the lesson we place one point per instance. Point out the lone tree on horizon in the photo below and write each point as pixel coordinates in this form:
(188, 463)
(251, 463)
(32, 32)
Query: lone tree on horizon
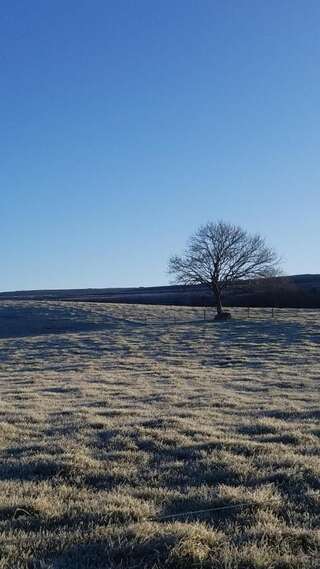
(219, 254)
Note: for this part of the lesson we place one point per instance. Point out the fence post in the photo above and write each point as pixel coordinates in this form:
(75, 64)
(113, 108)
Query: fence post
(204, 315)
(248, 311)
(272, 312)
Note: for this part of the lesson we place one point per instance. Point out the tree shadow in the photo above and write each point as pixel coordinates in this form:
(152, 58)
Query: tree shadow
(246, 332)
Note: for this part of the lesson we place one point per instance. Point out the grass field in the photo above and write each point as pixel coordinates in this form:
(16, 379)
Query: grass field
(113, 418)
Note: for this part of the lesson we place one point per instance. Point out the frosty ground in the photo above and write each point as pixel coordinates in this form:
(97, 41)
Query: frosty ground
(115, 417)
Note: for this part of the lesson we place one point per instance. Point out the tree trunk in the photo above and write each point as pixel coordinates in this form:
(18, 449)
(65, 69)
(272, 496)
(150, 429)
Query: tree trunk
(217, 294)
(219, 304)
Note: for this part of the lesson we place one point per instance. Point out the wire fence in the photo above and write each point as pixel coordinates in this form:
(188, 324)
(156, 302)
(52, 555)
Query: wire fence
(180, 315)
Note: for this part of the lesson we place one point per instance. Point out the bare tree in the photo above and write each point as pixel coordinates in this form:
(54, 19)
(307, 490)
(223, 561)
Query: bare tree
(219, 254)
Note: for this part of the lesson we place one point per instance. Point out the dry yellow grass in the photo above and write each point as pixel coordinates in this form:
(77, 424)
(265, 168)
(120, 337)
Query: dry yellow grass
(109, 424)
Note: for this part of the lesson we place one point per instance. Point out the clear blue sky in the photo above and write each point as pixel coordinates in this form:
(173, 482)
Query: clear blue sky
(127, 124)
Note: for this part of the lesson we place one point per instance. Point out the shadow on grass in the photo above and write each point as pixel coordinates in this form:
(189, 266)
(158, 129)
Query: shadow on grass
(248, 332)
(33, 470)
(305, 415)
(20, 321)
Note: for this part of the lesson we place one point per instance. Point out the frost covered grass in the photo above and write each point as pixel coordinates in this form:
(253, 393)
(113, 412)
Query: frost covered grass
(109, 424)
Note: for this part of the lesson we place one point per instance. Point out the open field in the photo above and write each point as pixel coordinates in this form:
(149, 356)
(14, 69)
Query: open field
(109, 423)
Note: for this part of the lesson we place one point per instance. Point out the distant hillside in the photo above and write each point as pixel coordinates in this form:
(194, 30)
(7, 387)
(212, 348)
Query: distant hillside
(292, 291)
